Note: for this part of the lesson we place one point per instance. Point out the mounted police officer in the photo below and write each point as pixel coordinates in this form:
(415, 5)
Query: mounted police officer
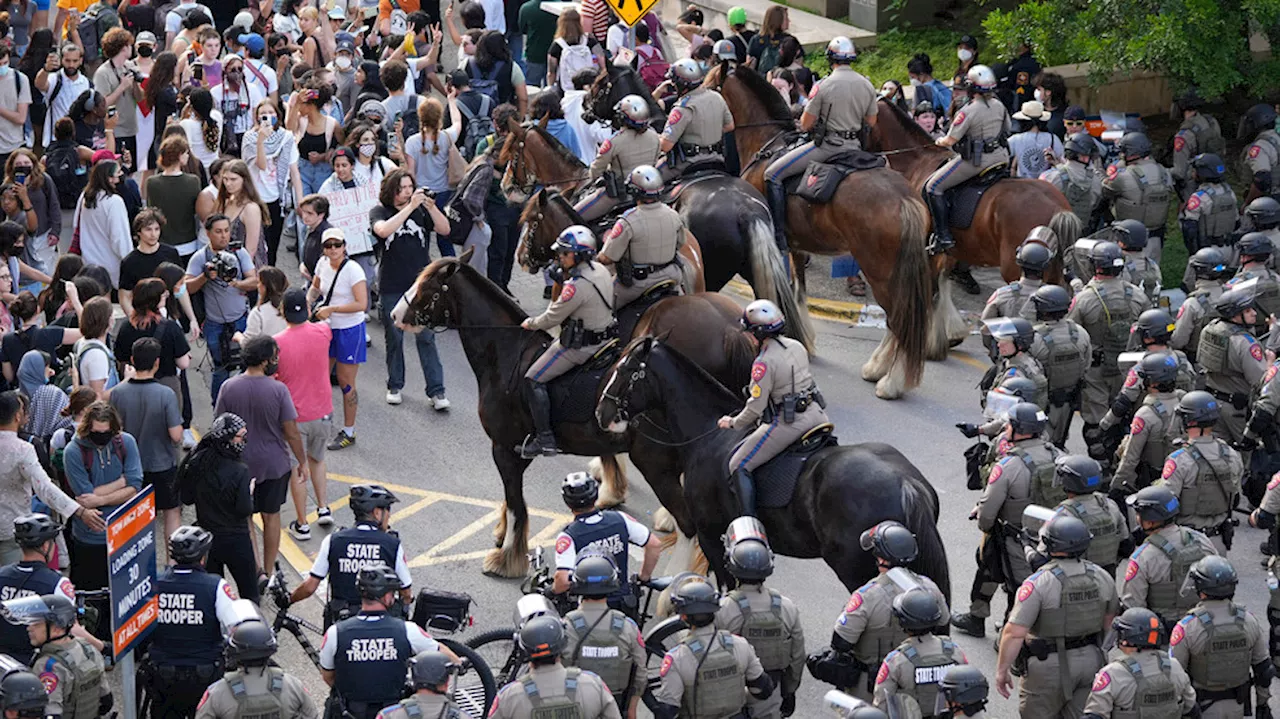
(22, 695)
(634, 145)
(1223, 646)
(1159, 566)
(909, 678)
(1064, 351)
(644, 244)
(255, 687)
(978, 133)
(1105, 308)
(783, 405)
(601, 531)
(1139, 269)
(549, 689)
(1008, 341)
(601, 640)
(1023, 476)
(1233, 361)
(841, 105)
(429, 673)
(1056, 628)
(1014, 299)
(1141, 189)
(1209, 265)
(1258, 127)
(345, 552)
(1077, 179)
(185, 649)
(1209, 215)
(1081, 478)
(1204, 472)
(584, 311)
(964, 692)
(1143, 681)
(1256, 251)
(711, 672)
(36, 535)
(865, 631)
(696, 124)
(70, 668)
(768, 621)
(1143, 451)
(365, 658)
(1198, 134)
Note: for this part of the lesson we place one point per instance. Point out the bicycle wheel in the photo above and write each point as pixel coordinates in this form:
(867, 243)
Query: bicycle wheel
(475, 690)
(499, 649)
(657, 641)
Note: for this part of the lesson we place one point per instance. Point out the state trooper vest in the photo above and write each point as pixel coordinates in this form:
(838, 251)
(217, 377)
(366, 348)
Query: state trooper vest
(1215, 340)
(1158, 444)
(1208, 313)
(1043, 490)
(269, 705)
(1208, 495)
(1144, 273)
(765, 631)
(600, 648)
(608, 536)
(1155, 189)
(76, 654)
(1218, 221)
(1224, 663)
(1079, 193)
(371, 659)
(719, 684)
(187, 631)
(1164, 597)
(928, 671)
(875, 642)
(1080, 609)
(351, 550)
(1092, 509)
(1156, 696)
(1117, 319)
(1065, 364)
(564, 706)
(413, 710)
(1208, 135)
(1027, 365)
(25, 579)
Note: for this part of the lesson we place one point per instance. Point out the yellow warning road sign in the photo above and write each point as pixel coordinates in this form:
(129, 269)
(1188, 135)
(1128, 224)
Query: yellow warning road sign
(632, 11)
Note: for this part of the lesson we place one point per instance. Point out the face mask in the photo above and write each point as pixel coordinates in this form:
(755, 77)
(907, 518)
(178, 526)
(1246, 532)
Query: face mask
(101, 439)
(1039, 96)
(342, 62)
(4, 71)
(965, 55)
(272, 367)
(367, 150)
(915, 82)
(236, 447)
(182, 290)
(235, 75)
(145, 50)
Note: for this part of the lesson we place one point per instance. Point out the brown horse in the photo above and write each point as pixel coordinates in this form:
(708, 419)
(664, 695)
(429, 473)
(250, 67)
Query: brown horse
(875, 215)
(1004, 217)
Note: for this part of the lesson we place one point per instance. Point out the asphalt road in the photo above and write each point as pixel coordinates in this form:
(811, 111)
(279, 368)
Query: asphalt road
(439, 463)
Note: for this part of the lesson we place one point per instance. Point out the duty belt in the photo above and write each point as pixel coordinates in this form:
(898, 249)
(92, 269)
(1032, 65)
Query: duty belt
(1239, 694)
(641, 272)
(591, 337)
(692, 150)
(1238, 400)
(1043, 647)
(845, 134)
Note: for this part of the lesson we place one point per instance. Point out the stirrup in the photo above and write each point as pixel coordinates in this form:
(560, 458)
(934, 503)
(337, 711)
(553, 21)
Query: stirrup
(532, 448)
(938, 246)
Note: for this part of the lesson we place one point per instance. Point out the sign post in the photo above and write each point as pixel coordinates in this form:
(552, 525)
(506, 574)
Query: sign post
(131, 562)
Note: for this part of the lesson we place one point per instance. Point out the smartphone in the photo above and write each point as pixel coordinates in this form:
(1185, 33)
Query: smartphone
(20, 177)
(197, 72)
(111, 111)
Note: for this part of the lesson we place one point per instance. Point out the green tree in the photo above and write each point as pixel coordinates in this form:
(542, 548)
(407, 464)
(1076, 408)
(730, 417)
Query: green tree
(1196, 43)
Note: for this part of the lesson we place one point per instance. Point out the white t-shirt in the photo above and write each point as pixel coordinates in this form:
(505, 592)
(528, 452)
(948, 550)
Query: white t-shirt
(343, 291)
(268, 74)
(271, 181)
(264, 320)
(67, 94)
(1027, 151)
(195, 138)
(173, 21)
(248, 98)
(95, 365)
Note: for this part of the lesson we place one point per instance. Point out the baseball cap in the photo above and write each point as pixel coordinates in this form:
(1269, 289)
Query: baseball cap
(968, 41)
(253, 42)
(146, 37)
(342, 151)
(101, 155)
(243, 20)
(333, 233)
(295, 306)
(337, 13)
(458, 78)
(346, 42)
(737, 16)
(1074, 112)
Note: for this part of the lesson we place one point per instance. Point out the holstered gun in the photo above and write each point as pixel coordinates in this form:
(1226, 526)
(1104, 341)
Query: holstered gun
(613, 185)
(626, 270)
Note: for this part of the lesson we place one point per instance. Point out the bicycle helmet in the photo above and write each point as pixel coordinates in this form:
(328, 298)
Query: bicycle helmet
(375, 581)
(367, 497)
(763, 318)
(189, 545)
(31, 531)
(579, 490)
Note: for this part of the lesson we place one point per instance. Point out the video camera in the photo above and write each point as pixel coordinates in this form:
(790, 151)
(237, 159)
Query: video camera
(225, 267)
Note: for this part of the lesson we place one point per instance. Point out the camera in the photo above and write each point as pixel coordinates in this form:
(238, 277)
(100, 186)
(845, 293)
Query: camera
(225, 266)
(232, 354)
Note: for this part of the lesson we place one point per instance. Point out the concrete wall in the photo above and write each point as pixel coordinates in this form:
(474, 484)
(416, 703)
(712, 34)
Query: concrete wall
(813, 31)
(1143, 92)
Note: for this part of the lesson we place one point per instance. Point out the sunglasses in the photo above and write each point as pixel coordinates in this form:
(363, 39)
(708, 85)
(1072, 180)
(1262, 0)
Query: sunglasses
(333, 245)
(1073, 122)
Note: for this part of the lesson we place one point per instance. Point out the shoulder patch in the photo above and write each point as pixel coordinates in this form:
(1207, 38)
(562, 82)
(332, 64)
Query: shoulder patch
(855, 600)
(614, 231)
(1177, 635)
(758, 370)
(1170, 465)
(1131, 380)
(1112, 171)
(1102, 681)
(996, 471)
(1271, 373)
(1131, 571)
(667, 661)
(226, 589)
(50, 681)
(1275, 481)
(1193, 202)
(1253, 151)
(605, 147)
(959, 119)
(1182, 309)
(883, 674)
(675, 116)
(1255, 351)
(566, 292)
(1025, 591)
(203, 699)
(68, 589)
(562, 544)
(1179, 143)
(1137, 426)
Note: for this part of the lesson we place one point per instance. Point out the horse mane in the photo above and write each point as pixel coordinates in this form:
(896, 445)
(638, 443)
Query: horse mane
(695, 369)
(482, 283)
(565, 153)
(908, 123)
(766, 93)
(532, 207)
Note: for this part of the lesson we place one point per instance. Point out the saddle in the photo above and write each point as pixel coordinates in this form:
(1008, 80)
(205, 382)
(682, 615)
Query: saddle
(573, 394)
(963, 199)
(819, 182)
(776, 480)
(693, 174)
(630, 315)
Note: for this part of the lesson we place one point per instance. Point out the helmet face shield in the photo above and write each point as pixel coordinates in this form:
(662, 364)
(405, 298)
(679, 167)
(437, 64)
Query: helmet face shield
(25, 611)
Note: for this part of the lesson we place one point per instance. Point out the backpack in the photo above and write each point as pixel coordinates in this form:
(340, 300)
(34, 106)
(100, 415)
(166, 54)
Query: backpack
(573, 59)
(479, 125)
(409, 116)
(486, 85)
(141, 18)
(86, 452)
(769, 55)
(62, 162)
(653, 67)
(97, 21)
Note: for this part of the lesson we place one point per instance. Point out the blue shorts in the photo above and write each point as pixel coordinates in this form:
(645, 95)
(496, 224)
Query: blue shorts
(347, 345)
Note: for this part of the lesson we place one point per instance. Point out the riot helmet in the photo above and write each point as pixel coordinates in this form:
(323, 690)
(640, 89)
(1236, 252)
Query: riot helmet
(1139, 628)
(1077, 473)
(1159, 369)
(1027, 419)
(890, 542)
(595, 576)
(1233, 303)
(1214, 577)
(1154, 327)
(1065, 535)
(23, 692)
(1198, 408)
(747, 551)
(251, 643)
(375, 581)
(1209, 263)
(1208, 167)
(1034, 256)
(542, 639)
(1264, 212)
(1079, 146)
(1256, 245)
(695, 599)
(1131, 235)
(430, 669)
(964, 684)
(917, 611)
(1017, 329)
(1154, 504)
(1256, 119)
(1134, 145)
(1051, 301)
(1107, 258)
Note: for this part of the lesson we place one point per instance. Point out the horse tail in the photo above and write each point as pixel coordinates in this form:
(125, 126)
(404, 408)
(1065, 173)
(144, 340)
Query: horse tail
(921, 513)
(911, 290)
(773, 282)
(1068, 228)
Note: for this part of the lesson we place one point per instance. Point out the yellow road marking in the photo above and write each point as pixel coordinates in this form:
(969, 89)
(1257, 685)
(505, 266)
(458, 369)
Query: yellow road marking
(458, 537)
(969, 359)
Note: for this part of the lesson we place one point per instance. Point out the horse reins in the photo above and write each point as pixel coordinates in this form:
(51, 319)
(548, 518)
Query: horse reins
(623, 402)
(528, 186)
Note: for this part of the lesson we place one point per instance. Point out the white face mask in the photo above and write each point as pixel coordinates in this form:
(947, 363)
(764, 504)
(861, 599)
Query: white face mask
(342, 62)
(915, 82)
(1039, 95)
(367, 150)
(965, 54)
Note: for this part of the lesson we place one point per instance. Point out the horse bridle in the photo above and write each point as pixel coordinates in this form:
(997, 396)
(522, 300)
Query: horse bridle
(525, 181)
(422, 316)
(623, 401)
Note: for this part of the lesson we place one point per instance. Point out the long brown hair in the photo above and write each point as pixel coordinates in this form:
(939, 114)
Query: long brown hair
(771, 25)
(430, 115)
(35, 180)
(569, 26)
(147, 295)
(248, 193)
(98, 412)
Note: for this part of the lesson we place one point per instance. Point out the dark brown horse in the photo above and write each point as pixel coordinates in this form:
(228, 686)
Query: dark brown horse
(1004, 217)
(875, 215)
(451, 294)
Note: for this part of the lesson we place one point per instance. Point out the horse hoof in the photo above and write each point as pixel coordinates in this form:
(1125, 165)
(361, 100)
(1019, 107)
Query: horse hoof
(871, 374)
(888, 390)
(955, 342)
(505, 564)
(663, 521)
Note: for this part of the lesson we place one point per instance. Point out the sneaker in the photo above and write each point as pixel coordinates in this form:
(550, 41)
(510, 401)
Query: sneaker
(440, 402)
(188, 439)
(368, 342)
(324, 517)
(342, 441)
(300, 531)
(546, 292)
(393, 396)
(969, 624)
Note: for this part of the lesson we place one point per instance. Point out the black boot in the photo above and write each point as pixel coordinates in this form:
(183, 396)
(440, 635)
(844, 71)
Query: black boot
(963, 276)
(777, 196)
(941, 240)
(544, 440)
(744, 488)
(969, 624)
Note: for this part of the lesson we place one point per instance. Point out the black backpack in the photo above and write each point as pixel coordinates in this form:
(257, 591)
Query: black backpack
(62, 162)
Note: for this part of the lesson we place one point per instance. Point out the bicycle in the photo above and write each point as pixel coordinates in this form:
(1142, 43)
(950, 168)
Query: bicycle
(473, 688)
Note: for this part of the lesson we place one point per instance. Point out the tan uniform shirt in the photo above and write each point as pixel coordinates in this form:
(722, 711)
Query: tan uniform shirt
(626, 151)
(680, 666)
(1148, 565)
(1246, 365)
(652, 232)
(220, 703)
(1008, 487)
(1136, 390)
(1190, 638)
(1150, 433)
(1042, 590)
(1200, 206)
(1182, 471)
(731, 619)
(782, 367)
(634, 648)
(432, 706)
(843, 100)
(698, 118)
(871, 607)
(1264, 154)
(1199, 304)
(592, 695)
(1080, 183)
(1187, 142)
(1013, 300)
(587, 295)
(981, 120)
(60, 680)
(1123, 188)
(1116, 689)
(898, 675)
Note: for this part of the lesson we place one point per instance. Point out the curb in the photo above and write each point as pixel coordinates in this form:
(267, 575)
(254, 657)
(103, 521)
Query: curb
(857, 313)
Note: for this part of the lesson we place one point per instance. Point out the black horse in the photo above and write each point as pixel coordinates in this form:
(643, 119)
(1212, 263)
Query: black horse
(842, 490)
